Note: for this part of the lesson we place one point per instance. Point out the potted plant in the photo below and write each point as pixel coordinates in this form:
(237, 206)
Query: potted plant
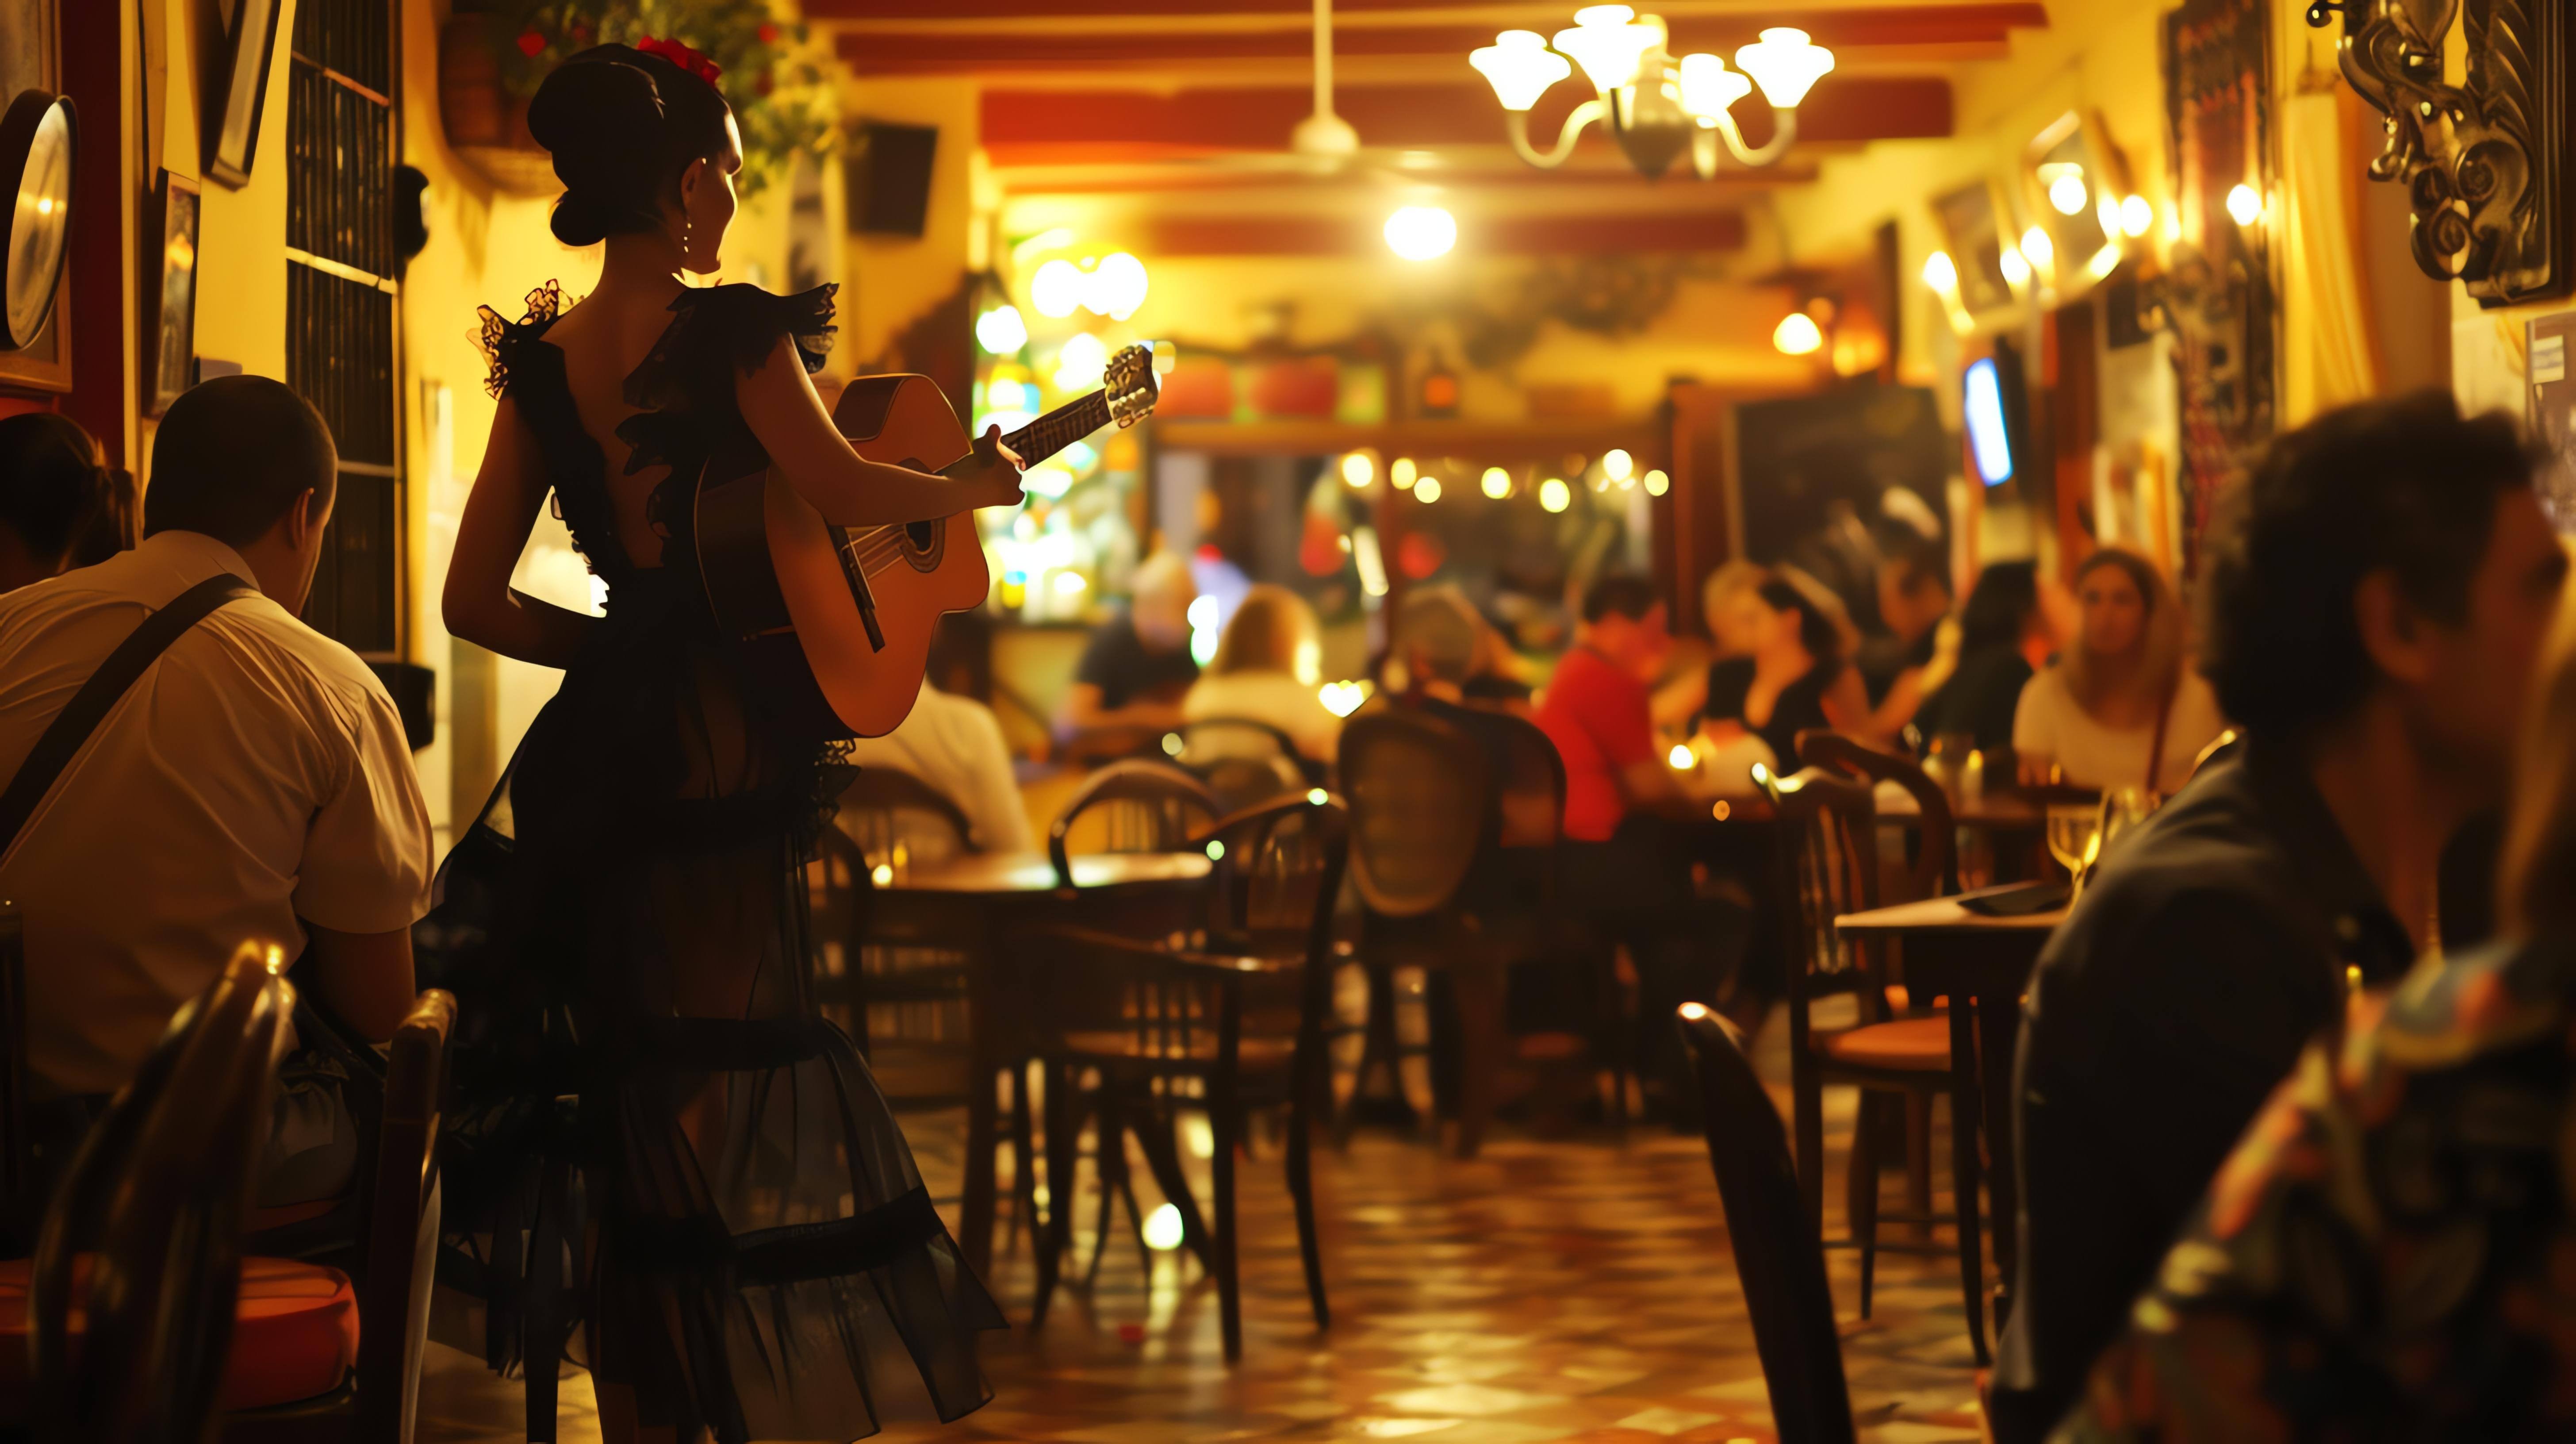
(494, 54)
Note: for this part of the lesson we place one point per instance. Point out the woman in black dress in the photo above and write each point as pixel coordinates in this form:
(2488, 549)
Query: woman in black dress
(1794, 680)
(748, 1242)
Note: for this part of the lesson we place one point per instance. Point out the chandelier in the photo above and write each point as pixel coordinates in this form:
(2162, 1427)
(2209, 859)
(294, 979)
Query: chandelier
(1657, 107)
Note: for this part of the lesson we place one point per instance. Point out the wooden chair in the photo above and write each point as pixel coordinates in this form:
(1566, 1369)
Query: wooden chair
(898, 820)
(141, 1252)
(1228, 1026)
(1934, 870)
(1778, 1259)
(1243, 761)
(1828, 866)
(1141, 806)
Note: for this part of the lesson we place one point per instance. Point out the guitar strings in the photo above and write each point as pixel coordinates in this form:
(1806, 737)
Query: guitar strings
(883, 546)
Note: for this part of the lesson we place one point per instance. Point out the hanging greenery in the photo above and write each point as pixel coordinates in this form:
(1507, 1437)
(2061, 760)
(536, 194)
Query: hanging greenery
(776, 94)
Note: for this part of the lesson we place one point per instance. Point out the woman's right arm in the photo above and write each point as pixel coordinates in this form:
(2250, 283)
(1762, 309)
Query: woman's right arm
(2034, 739)
(785, 412)
(479, 604)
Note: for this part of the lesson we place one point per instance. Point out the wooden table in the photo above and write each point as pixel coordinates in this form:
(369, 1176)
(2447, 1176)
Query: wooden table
(975, 903)
(1982, 965)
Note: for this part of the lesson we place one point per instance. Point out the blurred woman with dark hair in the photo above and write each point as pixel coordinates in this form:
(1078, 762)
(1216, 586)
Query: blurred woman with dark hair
(1798, 677)
(50, 486)
(2121, 708)
(2004, 637)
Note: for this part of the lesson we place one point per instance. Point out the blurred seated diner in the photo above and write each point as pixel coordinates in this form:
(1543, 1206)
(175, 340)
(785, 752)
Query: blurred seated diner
(1137, 666)
(1267, 665)
(2378, 592)
(50, 485)
(300, 821)
(1913, 581)
(1797, 678)
(953, 744)
(2004, 638)
(2118, 708)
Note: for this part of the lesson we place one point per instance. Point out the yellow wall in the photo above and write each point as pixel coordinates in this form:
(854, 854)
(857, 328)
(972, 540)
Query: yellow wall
(892, 280)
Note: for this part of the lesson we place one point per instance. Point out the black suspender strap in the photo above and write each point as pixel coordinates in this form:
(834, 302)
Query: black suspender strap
(71, 728)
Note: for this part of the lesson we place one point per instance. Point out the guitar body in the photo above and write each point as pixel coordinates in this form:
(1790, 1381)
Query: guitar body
(784, 581)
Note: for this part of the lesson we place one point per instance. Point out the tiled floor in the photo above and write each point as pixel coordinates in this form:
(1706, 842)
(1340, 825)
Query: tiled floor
(1576, 1289)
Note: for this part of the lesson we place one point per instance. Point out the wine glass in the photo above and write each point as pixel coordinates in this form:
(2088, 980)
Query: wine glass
(2074, 833)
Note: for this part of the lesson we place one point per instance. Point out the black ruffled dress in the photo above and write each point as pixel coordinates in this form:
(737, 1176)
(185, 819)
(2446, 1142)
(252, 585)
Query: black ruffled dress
(657, 1145)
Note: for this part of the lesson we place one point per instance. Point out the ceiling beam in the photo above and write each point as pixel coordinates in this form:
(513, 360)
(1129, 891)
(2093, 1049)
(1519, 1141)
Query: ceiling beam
(1037, 127)
(1589, 234)
(964, 51)
(1290, 14)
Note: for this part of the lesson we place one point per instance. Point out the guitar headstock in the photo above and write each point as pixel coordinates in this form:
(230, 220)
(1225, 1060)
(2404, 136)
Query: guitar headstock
(1128, 384)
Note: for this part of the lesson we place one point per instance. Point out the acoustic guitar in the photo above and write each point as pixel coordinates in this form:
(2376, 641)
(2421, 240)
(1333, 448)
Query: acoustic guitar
(834, 621)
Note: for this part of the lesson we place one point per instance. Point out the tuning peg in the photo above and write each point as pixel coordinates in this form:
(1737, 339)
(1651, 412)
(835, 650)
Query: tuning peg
(2321, 14)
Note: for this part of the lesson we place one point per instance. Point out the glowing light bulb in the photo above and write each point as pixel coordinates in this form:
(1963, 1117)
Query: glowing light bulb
(1402, 474)
(1427, 489)
(1163, 1231)
(1358, 471)
(1421, 233)
(1798, 335)
(1709, 88)
(1497, 482)
(2137, 217)
(1057, 289)
(1520, 67)
(2068, 192)
(1554, 495)
(2038, 249)
(1000, 331)
(1607, 43)
(1079, 365)
(1657, 483)
(1785, 63)
(1680, 758)
(2016, 269)
(1940, 272)
(1617, 464)
(2245, 204)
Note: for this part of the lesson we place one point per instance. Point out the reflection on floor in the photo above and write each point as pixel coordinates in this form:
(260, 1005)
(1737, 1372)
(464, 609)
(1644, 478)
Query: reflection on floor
(1572, 1289)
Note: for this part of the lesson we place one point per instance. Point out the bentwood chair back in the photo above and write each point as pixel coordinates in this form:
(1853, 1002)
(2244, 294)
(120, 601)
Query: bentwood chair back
(1139, 805)
(1934, 871)
(1778, 1258)
(1243, 761)
(1420, 801)
(900, 821)
(1241, 1018)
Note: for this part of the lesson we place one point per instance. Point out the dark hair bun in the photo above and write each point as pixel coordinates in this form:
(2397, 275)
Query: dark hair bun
(602, 120)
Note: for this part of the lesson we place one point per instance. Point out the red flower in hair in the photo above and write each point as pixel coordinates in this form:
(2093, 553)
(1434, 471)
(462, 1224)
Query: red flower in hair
(682, 56)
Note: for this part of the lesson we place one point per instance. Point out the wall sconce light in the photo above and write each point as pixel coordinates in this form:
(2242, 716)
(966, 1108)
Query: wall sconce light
(2483, 163)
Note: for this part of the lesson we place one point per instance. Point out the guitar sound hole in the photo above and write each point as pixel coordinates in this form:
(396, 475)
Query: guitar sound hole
(921, 535)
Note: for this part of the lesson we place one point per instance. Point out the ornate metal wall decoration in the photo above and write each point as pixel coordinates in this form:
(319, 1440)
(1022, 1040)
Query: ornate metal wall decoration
(2484, 162)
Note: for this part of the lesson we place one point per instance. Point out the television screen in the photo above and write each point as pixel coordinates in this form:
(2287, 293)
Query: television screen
(1989, 434)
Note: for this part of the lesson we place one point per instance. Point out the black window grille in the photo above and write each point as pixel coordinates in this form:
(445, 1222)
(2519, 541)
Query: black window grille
(340, 303)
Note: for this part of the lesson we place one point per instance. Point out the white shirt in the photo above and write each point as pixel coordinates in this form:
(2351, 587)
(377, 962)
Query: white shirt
(955, 745)
(2049, 724)
(1273, 697)
(256, 775)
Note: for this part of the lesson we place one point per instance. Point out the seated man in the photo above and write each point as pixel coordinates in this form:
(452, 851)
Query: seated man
(2376, 600)
(954, 745)
(252, 783)
(1138, 665)
(50, 483)
(2384, 1254)
(1625, 863)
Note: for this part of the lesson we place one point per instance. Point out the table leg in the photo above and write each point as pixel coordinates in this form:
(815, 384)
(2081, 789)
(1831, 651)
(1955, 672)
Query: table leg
(1999, 1021)
(1964, 1171)
(975, 1228)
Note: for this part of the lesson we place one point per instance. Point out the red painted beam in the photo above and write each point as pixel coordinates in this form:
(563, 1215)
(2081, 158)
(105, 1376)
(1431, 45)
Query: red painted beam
(966, 52)
(1580, 234)
(2025, 14)
(1036, 127)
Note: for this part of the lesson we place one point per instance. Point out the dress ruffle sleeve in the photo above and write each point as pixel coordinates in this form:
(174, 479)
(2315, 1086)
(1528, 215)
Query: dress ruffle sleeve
(717, 333)
(501, 340)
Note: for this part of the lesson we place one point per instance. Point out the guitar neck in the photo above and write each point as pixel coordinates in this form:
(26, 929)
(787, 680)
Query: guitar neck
(1059, 428)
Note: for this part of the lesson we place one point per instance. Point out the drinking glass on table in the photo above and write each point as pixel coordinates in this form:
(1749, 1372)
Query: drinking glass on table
(2074, 836)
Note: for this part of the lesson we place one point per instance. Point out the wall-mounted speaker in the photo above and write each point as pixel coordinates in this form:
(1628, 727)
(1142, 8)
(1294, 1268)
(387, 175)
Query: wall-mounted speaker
(889, 177)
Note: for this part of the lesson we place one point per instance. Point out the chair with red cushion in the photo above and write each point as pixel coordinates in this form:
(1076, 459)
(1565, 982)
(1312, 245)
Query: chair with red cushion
(139, 1318)
(1828, 866)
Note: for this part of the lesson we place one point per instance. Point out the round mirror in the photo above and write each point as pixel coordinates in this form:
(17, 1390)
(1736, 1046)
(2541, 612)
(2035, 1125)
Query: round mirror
(36, 171)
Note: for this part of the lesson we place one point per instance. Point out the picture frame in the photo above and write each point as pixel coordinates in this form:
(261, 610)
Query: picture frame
(1975, 225)
(238, 91)
(171, 337)
(2087, 243)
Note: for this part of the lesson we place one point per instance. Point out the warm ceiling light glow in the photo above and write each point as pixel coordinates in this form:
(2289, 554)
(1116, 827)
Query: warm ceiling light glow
(2245, 204)
(1657, 483)
(1497, 482)
(1358, 471)
(1079, 365)
(1798, 335)
(2104, 262)
(1521, 67)
(1427, 489)
(1708, 87)
(1680, 757)
(1617, 464)
(1000, 331)
(1554, 495)
(1057, 289)
(1607, 43)
(2136, 216)
(2038, 249)
(1421, 233)
(2016, 267)
(1784, 63)
(1402, 474)
(1940, 272)
(2068, 192)
(1116, 287)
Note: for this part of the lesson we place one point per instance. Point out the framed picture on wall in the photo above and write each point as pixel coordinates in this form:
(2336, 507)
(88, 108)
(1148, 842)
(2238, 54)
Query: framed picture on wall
(238, 88)
(31, 61)
(1973, 223)
(174, 319)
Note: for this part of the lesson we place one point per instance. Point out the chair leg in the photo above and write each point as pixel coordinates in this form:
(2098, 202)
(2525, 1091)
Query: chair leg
(1478, 998)
(1964, 1176)
(1301, 1191)
(1918, 1159)
(1807, 1106)
(1062, 1159)
(1024, 1171)
(1109, 1166)
(1860, 1190)
(1377, 1051)
(1225, 1117)
(1163, 1157)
